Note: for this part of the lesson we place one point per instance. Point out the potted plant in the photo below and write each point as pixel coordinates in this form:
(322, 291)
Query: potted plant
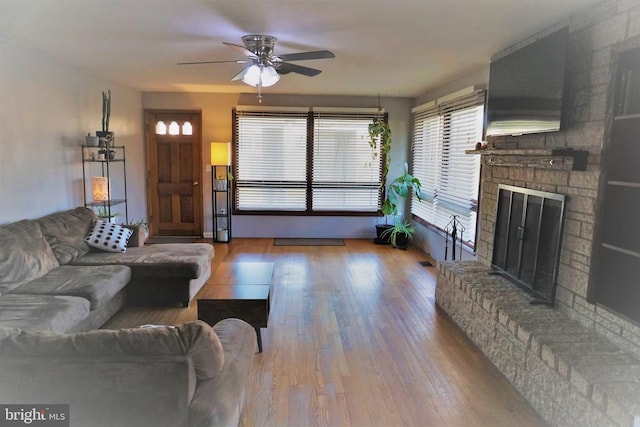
(106, 115)
(400, 234)
(399, 190)
(380, 133)
(103, 213)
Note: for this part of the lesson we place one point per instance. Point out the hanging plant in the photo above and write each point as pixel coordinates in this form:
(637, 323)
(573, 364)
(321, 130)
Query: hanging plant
(380, 133)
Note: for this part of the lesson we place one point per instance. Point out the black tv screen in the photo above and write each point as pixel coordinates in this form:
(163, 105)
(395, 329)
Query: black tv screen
(526, 87)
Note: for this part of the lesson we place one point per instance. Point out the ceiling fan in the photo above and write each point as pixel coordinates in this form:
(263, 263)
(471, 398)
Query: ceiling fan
(263, 66)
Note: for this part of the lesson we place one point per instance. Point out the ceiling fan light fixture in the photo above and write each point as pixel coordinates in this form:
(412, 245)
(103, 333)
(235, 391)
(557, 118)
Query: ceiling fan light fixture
(265, 76)
(269, 76)
(252, 75)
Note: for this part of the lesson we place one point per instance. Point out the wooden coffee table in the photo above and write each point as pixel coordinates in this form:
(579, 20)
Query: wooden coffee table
(238, 289)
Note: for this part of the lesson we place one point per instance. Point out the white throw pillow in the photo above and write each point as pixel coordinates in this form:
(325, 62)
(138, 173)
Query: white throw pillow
(109, 237)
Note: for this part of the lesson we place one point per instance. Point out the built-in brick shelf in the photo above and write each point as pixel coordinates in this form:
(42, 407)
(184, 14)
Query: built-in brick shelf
(570, 374)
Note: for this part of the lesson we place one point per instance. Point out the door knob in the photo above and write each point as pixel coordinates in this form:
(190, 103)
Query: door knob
(195, 183)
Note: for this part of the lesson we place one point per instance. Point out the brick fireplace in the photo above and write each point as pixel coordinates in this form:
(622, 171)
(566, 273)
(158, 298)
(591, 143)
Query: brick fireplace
(576, 362)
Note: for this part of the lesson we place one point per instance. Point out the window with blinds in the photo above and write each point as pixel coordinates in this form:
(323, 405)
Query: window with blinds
(305, 162)
(345, 176)
(450, 178)
(271, 167)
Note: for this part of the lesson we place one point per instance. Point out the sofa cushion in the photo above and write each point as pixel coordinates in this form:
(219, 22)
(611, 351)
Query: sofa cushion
(189, 260)
(108, 237)
(42, 312)
(96, 284)
(65, 231)
(24, 252)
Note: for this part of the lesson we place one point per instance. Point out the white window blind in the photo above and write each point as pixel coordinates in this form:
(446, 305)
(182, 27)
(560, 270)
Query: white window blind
(305, 162)
(271, 153)
(346, 176)
(450, 178)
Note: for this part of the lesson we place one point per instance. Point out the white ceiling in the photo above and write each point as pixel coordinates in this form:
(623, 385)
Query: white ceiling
(382, 47)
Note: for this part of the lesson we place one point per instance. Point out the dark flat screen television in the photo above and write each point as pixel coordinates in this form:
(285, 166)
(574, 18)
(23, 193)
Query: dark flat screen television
(526, 88)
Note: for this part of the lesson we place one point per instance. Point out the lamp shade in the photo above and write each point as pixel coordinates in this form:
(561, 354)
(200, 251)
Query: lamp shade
(252, 76)
(220, 153)
(100, 189)
(269, 76)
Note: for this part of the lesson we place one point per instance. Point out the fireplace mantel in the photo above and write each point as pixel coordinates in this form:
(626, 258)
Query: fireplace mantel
(556, 159)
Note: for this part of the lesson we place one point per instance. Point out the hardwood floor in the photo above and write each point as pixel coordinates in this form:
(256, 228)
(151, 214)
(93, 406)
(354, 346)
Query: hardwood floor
(355, 338)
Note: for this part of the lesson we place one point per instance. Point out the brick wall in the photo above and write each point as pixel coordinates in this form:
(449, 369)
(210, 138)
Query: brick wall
(594, 39)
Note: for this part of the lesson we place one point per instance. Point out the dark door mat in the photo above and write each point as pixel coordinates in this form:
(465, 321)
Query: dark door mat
(307, 242)
(425, 264)
(170, 239)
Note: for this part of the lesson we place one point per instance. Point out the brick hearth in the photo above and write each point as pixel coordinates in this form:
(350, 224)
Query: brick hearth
(571, 375)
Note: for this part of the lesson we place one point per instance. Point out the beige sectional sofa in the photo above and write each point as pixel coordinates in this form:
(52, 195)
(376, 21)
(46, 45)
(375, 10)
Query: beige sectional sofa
(50, 279)
(55, 291)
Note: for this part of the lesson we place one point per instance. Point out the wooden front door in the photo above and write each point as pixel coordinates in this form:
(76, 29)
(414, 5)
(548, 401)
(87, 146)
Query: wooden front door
(174, 173)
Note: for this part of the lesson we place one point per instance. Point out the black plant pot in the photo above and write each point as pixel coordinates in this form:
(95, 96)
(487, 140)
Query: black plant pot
(402, 241)
(383, 237)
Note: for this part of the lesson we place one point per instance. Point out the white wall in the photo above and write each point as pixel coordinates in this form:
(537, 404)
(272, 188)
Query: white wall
(45, 110)
(430, 240)
(216, 126)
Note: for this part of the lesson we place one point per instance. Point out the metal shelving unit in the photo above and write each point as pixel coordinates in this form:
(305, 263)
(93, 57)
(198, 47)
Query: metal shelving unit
(221, 203)
(112, 166)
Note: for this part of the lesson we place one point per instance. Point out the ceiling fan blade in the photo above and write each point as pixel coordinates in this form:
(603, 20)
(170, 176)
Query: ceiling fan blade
(241, 74)
(286, 68)
(237, 61)
(302, 56)
(241, 49)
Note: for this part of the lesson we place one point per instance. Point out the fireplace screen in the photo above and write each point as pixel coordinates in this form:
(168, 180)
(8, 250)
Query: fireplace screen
(527, 238)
